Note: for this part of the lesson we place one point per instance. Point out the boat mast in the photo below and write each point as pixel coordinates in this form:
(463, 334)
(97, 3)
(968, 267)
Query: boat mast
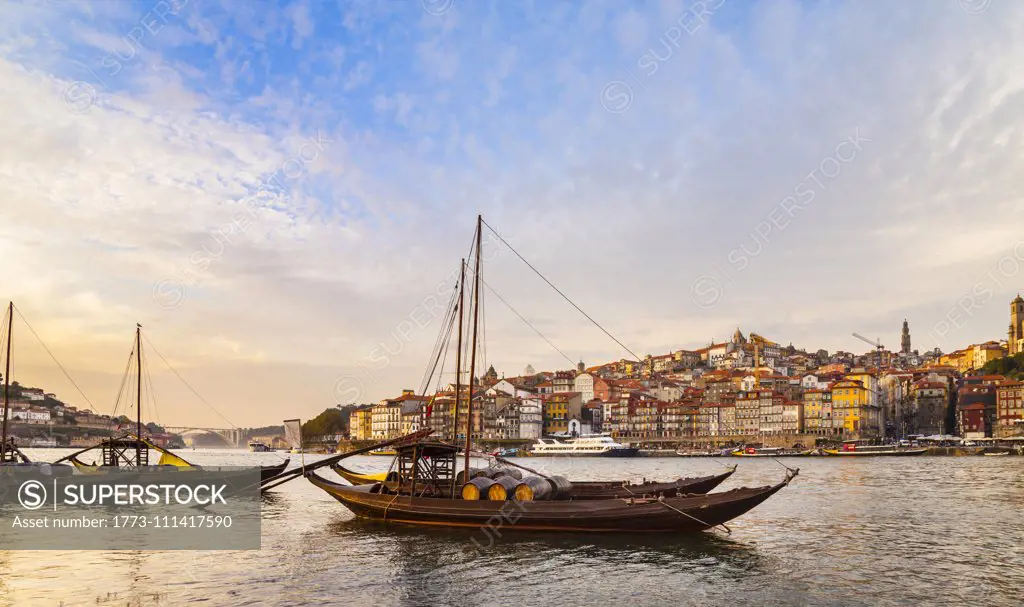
(476, 324)
(7, 384)
(138, 393)
(458, 361)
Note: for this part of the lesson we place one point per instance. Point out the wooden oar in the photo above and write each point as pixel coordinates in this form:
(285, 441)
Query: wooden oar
(284, 477)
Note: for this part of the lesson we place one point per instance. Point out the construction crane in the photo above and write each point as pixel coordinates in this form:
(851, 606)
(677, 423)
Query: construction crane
(877, 344)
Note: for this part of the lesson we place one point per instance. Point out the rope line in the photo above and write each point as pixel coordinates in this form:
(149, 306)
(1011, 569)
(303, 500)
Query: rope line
(57, 362)
(708, 525)
(564, 296)
(527, 322)
(187, 385)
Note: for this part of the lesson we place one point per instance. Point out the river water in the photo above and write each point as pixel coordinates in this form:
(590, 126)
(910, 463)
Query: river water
(872, 531)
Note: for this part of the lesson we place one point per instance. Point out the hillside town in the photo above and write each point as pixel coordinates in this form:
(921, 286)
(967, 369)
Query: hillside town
(744, 389)
(40, 419)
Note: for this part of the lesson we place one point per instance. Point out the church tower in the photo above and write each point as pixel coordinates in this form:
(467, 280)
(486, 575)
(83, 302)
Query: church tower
(905, 339)
(1016, 332)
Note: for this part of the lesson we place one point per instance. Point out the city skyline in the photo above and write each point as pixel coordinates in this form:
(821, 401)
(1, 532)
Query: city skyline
(274, 196)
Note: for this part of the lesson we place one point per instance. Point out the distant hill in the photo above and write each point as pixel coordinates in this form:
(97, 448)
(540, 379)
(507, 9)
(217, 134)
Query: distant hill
(1010, 366)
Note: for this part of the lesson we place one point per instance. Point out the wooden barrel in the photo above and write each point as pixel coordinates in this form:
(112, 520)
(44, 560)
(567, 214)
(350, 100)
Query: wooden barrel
(497, 473)
(533, 488)
(561, 488)
(513, 472)
(476, 488)
(460, 478)
(504, 488)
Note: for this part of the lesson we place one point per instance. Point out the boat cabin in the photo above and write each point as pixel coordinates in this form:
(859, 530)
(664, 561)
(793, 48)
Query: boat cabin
(425, 469)
(128, 452)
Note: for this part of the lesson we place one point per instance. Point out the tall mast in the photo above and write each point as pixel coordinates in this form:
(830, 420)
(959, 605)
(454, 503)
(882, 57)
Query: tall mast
(476, 324)
(138, 389)
(458, 354)
(7, 383)
(458, 368)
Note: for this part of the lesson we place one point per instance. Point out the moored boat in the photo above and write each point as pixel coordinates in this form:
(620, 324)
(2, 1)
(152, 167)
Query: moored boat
(269, 472)
(587, 490)
(596, 445)
(856, 449)
(770, 452)
(425, 495)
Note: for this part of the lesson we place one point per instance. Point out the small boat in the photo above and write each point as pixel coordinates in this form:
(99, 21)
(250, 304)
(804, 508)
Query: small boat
(357, 478)
(427, 496)
(855, 449)
(385, 452)
(682, 453)
(594, 445)
(269, 472)
(259, 447)
(996, 454)
(769, 452)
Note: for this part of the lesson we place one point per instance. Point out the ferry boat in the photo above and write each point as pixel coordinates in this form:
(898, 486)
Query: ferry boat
(854, 448)
(595, 445)
(259, 447)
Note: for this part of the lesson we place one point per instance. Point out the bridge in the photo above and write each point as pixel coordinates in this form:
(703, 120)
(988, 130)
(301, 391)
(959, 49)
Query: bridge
(232, 437)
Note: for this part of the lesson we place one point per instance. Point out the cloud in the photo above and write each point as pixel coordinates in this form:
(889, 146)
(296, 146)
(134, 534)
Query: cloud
(190, 173)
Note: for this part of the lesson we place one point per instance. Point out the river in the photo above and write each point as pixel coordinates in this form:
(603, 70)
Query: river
(871, 531)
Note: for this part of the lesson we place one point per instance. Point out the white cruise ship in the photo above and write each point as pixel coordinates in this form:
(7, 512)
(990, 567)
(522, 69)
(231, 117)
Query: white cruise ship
(596, 445)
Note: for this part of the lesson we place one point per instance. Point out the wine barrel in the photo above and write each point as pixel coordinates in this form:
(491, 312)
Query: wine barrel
(476, 488)
(497, 473)
(513, 472)
(504, 487)
(460, 478)
(533, 488)
(561, 488)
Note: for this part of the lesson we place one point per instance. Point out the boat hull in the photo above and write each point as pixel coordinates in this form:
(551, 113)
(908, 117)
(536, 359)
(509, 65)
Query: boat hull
(903, 453)
(604, 490)
(621, 452)
(269, 472)
(590, 490)
(675, 515)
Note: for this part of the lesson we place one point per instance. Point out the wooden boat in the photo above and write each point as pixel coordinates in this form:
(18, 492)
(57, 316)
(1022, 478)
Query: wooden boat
(855, 449)
(269, 472)
(595, 490)
(632, 515)
(426, 489)
(996, 454)
(426, 495)
(770, 452)
(357, 478)
(590, 490)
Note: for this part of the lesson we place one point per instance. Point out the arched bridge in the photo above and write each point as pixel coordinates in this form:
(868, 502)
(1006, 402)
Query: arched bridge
(232, 437)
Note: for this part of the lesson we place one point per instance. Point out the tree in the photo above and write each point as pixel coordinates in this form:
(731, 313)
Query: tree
(1010, 366)
(331, 421)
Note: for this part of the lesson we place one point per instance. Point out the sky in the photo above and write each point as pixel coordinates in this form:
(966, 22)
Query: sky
(281, 192)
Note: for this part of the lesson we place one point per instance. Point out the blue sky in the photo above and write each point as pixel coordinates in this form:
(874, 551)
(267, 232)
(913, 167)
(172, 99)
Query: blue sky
(273, 188)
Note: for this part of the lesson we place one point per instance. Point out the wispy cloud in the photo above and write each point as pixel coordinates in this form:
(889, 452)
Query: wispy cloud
(114, 177)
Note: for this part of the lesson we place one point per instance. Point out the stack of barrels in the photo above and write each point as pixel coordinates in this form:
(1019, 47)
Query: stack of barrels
(501, 484)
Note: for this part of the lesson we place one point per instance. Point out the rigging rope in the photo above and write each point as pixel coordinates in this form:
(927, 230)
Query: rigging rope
(120, 391)
(57, 362)
(187, 385)
(439, 343)
(522, 318)
(564, 296)
(708, 525)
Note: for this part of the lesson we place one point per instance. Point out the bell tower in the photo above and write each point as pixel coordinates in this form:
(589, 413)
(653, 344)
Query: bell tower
(1016, 332)
(905, 339)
